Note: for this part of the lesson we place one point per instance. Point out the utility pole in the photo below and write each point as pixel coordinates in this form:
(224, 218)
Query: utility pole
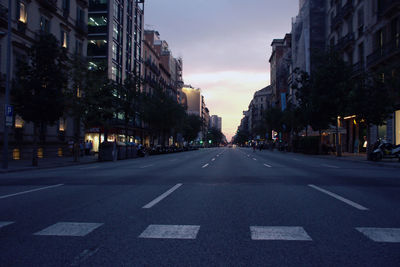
(7, 93)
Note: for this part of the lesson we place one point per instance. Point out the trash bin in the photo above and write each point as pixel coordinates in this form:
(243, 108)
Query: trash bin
(108, 151)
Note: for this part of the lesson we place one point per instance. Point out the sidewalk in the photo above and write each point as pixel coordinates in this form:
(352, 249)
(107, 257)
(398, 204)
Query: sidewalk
(362, 158)
(26, 165)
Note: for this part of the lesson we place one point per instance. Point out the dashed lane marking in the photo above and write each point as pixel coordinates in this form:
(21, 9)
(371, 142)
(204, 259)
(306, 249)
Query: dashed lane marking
(213, 159)
(161, 197)
(146, 166)
(171, 231)
(388, 235)
(330, 166)
(30, 191)
(69, 229)
(289, 233)
(3, 224)
(266, 165)
(205, 165)
(254, 159)
(345, 200)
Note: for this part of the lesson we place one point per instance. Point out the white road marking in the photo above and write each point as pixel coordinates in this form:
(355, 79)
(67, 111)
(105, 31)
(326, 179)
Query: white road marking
(30, 191)
(388, 235)
(2, 224)
(88, 168)
(87, 253)
(205, 165)
(345, 200)
(266, 165)
(248, 155)
(218, 155)
(292, 233)
(161, 197)
(146, 166)
(254, 159)
(171, 231)
(69, 229)
(213, 159)
(330, 166)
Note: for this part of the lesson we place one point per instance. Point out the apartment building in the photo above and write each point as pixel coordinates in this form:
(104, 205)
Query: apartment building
(280, 69)
(367, 34)
(216, 122)
(67, 21)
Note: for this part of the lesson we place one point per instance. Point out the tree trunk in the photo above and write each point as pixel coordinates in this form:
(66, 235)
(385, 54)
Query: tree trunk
(369, 145)
(34, 148)
(338, 146)
(77, 139)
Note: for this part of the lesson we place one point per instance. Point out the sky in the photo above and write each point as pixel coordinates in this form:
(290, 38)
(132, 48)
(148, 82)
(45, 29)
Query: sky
(225, 46)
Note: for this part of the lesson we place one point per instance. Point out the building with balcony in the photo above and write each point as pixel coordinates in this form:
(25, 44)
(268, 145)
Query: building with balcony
(67, 21)
(366, 33)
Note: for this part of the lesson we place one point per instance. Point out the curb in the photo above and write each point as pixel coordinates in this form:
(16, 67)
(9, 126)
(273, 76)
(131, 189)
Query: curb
(47, 167)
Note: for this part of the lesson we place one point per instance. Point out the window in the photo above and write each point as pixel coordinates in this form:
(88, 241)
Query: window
(97, 47)
(96, 20)
(64, 39)
(22, 12)
(65, 6)
(44, 24)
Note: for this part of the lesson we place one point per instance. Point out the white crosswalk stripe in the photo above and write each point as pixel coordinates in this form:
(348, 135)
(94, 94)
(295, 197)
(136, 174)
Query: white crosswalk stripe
(170, 231)
(389, 235)
(3, 224)
(69, 229)
(292, 233)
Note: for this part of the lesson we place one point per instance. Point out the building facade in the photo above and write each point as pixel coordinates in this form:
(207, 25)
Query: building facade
(367, 34)
(216, 122)
(67, 21)
(115, 34)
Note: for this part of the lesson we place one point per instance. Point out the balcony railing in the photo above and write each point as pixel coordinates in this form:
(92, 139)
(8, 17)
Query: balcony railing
(49, 4)
(388, 7)
(348, 8)
(3, 13)
(345, 42)
(384, 53)
(358, 68)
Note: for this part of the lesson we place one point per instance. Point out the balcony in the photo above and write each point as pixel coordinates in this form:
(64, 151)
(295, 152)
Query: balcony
(345, 42)
(97, 29)
(49, 4)
(347, 9)
(81, 27)
(384, 54)
(388, 8)
(358, 68)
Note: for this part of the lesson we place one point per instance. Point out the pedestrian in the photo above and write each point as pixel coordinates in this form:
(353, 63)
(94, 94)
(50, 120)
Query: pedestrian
(87, 147)
(90, 146)
(356, 146)
(254, 147)
(365, 144)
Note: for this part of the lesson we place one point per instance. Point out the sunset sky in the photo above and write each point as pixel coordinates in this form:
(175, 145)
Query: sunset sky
(225, 46)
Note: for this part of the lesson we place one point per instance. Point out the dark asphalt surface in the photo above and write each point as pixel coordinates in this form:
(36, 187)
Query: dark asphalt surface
(236, 190)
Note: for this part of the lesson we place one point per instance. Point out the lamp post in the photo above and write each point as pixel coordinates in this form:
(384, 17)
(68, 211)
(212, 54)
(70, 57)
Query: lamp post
(7, 93)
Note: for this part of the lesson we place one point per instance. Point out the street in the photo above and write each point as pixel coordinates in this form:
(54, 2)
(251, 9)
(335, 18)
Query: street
(211, 207)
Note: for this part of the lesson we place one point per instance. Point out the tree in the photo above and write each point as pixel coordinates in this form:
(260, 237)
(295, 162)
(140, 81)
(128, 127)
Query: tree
(191, 127)
(374, 99)
(215, 136)
(40, 84)
(323, 95)
(99, 100)
(163, 113)
(241, 137)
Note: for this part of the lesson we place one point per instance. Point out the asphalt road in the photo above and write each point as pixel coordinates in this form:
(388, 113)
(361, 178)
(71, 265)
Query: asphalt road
(212, 207)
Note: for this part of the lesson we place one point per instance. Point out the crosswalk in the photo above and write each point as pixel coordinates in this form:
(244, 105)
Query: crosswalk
(257, 233)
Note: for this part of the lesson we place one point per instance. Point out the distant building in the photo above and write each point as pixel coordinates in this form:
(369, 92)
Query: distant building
(216, 122)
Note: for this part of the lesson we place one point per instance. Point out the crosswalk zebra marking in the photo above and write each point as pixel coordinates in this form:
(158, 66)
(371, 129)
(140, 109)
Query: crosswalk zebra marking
(170, 231)
(69, 229)
(388, 235)
(288, 233)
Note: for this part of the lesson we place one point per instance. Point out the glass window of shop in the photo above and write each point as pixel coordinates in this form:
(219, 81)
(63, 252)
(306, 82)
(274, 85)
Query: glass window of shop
(97, 47)
(397, 126)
